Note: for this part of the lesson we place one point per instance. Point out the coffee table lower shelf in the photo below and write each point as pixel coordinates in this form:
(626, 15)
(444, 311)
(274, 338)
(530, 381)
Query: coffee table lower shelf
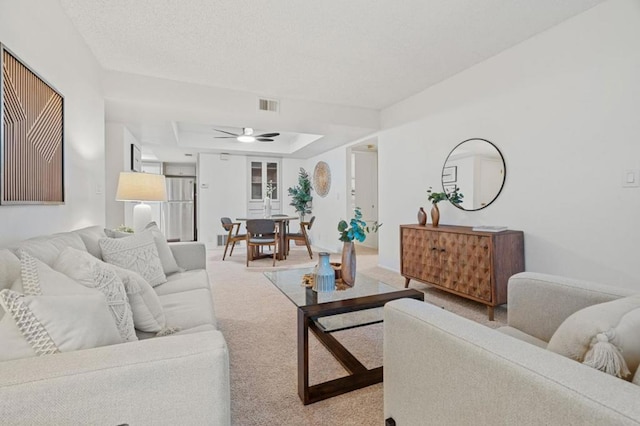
(359, 375)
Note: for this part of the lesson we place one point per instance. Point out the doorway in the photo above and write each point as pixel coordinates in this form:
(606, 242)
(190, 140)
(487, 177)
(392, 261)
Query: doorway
(363, 162)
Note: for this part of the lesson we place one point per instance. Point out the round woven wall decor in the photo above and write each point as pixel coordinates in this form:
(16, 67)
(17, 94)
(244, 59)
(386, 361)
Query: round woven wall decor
(322, 178)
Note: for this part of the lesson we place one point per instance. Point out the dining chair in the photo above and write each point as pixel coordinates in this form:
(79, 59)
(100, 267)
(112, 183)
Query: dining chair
(232, 238)
(301, 236)
(284, 228)
(260, 233)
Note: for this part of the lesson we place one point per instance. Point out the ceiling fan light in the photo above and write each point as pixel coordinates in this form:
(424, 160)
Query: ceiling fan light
(246, 139)
(248, 131)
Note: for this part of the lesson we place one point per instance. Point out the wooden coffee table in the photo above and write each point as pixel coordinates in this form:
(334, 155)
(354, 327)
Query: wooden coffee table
(325, 313)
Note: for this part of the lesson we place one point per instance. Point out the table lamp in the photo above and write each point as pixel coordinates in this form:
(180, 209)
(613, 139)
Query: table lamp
(141, 187)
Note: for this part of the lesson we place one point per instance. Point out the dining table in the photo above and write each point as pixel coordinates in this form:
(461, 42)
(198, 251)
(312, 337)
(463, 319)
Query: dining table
(281, 222)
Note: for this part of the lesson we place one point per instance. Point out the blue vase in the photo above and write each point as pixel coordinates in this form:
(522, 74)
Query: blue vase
(325, 277)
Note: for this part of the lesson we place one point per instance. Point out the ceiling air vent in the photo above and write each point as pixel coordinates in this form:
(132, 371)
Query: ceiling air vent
(268, 105)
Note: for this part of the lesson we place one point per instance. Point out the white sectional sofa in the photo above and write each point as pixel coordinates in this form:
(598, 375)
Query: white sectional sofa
(182, 378)
(442, 369)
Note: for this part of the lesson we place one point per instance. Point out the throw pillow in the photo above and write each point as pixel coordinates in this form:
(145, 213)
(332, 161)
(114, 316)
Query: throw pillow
(54, 314)
(603, 336)
(9, 268)
(36, 325)
(636, 378)
(91, 273)
(148, 314)
(169, 263)
(36, 277)
(138, 253)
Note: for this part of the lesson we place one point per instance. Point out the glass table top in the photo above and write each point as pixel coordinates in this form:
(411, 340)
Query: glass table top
(289, 282)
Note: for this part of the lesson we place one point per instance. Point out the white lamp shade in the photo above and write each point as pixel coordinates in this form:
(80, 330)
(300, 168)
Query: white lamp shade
(141, 187)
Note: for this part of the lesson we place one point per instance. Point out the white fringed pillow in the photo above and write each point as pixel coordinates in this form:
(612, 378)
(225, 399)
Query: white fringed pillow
(604, 336)
(63, 317)
(137, 253)
(148, 314)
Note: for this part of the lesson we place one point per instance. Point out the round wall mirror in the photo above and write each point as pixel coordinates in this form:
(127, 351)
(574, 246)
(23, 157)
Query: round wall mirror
(476, 168)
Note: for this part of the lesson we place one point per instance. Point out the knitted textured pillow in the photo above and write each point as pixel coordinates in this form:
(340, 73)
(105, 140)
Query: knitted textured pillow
(147, 311)
(102, 277)
(604, 336)
(169, 264)
(138, 253)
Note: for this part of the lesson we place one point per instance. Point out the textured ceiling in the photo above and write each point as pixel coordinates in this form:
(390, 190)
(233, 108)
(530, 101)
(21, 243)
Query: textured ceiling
(357, 52)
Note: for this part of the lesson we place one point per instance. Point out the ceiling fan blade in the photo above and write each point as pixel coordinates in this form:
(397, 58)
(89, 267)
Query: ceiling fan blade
(224, 131)
(268, 135)
(225, 137)
(264, 140)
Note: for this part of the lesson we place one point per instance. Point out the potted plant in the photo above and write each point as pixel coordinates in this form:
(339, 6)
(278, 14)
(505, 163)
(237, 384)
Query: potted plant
(355, 229)
(301, 194)
(454, 196)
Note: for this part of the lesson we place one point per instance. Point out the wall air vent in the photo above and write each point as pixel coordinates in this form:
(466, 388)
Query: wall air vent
(268, 105)
(222, 239)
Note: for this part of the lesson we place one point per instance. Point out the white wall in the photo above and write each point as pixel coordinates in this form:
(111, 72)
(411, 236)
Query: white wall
(39, 33)
(564, 109)
(118, 141)
(222, 191)
(332, 208)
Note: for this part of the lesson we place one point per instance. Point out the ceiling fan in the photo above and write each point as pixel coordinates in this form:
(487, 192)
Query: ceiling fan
(247, 136)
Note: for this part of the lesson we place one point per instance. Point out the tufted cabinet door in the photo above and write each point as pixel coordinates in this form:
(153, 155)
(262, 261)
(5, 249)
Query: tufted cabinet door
(466, 264)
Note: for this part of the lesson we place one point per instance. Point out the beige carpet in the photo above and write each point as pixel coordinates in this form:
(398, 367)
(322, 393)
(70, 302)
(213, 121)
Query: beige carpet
(259, 324)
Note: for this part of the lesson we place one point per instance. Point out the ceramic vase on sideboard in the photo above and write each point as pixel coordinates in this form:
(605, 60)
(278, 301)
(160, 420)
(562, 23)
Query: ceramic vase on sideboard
(435, 215)
(422, 217)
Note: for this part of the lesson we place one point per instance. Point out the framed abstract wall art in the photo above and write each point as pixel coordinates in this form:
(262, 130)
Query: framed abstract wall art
(32, 137)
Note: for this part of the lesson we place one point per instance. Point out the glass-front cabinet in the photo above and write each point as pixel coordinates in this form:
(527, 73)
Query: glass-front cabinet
(264, 181)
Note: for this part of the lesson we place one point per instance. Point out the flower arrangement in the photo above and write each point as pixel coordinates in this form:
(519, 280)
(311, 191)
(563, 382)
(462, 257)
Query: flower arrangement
(454, 196)
(356, 229)
(123, 228)
(270, 188)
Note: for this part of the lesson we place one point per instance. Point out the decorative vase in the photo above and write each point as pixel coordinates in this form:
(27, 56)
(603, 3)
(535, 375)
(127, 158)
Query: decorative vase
(422, 217)
(267, 207)
(348, 268)
(435, 215)
(325, 278)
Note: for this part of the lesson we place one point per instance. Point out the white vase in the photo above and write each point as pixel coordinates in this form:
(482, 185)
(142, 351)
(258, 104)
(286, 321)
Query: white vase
(267, 207)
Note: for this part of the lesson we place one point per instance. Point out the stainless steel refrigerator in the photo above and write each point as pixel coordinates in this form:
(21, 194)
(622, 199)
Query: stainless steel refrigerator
(179, 211)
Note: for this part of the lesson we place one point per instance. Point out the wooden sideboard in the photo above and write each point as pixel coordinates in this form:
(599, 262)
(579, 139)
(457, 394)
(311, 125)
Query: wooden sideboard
(474, 265)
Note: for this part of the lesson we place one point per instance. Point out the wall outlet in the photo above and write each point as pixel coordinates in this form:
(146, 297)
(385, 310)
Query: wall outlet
(631, 178)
